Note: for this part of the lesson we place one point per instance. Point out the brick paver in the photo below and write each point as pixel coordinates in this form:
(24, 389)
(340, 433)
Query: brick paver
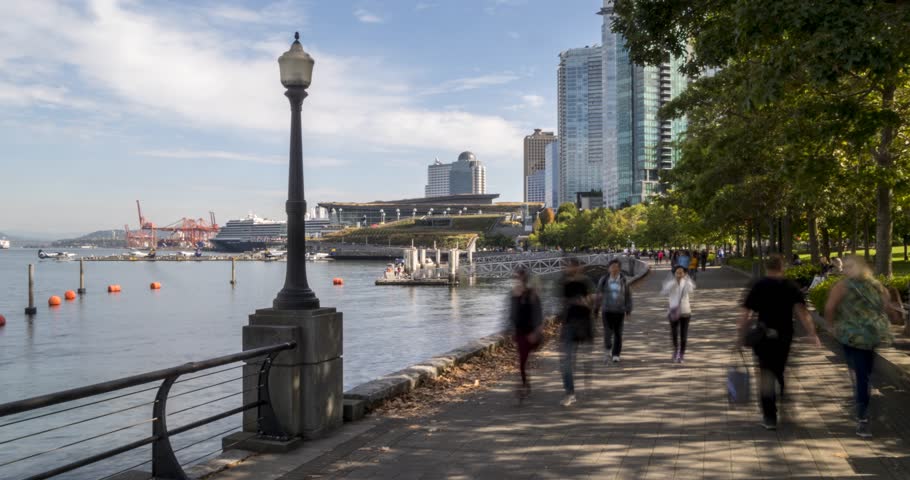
(645, 419)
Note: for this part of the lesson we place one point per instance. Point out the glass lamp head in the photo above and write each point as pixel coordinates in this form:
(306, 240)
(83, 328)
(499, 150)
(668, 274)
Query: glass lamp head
(296, 66)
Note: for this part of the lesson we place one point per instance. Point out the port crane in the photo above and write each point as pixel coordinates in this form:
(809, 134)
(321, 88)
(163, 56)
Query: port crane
(186, 232)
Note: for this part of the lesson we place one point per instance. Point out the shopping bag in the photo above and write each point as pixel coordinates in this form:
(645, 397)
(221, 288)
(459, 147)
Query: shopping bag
(738, 382)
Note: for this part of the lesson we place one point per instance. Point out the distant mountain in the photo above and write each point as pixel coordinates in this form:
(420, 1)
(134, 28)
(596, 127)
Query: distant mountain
(100, 238)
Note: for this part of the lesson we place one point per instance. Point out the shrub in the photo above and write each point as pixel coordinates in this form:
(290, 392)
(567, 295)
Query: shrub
(819, 295)
(803, 274)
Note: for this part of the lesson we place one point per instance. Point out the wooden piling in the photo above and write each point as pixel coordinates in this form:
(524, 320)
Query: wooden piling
(30, 309)
(233, 271)
(81, 289)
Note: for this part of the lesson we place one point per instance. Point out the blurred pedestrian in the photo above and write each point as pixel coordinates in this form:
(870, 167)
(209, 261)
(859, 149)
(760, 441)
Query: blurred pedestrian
(683, 260)
(577, 326)
(837, 266)
(678, 289)
(776, 299)
(693, 266)
(703, 260)
(526, 319)
(615, 300)
(858, 308)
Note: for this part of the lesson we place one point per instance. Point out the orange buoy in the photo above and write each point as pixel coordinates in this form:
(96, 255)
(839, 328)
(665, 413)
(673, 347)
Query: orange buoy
(69, 295)
(337, 281)
(53, 301)
(2, 320)
(155, 286)
(113, 288)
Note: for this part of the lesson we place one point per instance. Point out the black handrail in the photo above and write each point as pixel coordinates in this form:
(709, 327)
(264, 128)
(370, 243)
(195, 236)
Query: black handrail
(164, 462)
(79, 393)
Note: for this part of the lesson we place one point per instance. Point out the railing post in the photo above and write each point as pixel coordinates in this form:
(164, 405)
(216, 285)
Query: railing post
(269, 426)
(164, 461)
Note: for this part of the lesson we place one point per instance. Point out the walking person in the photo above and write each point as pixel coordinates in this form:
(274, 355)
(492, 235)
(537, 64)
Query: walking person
(526, 321)
(857, 310)
(678, 289)
(776, 300)
(577, 326)
(615, 300)
(704, 259)
(693, 266)
(682, 259)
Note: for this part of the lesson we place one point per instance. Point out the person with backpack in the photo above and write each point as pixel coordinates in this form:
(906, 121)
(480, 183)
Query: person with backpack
(615, 300)
(682, 260)
(576, 327)
(679, 313)
(526, 320)
(776, 300)
(857, 311)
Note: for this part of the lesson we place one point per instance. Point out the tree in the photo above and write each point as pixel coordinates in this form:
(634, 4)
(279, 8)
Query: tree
(853, 54)
(547, 216)
(566, 212)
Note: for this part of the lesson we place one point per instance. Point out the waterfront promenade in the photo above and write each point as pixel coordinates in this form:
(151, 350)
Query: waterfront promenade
(645, 419)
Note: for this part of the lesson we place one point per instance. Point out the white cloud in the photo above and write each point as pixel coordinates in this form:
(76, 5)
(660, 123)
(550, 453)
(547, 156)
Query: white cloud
(207, 79)
(366, 17)
(321, 162)
(471, 83)
(528, 101)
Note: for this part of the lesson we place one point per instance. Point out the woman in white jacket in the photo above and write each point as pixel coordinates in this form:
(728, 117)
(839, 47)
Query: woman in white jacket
(678, 288)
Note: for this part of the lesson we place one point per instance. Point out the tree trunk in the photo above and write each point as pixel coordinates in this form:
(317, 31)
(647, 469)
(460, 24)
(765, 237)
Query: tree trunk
(854, 239)
(905, 248)
(739, 243)
(841, 244)
(826, 242)
(813, 234)
(866, 238)
(883, 220)
(786, 235)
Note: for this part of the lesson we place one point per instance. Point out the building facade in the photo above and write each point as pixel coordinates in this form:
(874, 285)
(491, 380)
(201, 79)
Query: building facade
(535, 146)
(535, 186)
(637, 144)
(580, 99)
(551, 182)
(437, 179)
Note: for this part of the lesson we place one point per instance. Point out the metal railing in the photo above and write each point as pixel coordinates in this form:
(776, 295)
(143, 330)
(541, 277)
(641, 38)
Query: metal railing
(164, 463)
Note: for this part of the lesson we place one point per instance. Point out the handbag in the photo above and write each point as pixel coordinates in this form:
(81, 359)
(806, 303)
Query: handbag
(757, 332)
(674, 313)
(739, 388)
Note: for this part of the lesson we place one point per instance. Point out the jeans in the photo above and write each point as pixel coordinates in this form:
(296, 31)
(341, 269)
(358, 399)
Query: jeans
(860, 363)
(524, 350)
(772, 360)
(569, 352)
(613, 324)
(680, 333)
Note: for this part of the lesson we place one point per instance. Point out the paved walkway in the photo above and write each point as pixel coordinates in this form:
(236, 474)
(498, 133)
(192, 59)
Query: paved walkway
(645, 419)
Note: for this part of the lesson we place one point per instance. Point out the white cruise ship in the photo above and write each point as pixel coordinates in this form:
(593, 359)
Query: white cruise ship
(251, 233)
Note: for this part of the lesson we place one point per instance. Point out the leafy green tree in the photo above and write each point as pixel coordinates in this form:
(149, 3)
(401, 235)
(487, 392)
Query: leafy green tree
(547, 216)
(566, 212)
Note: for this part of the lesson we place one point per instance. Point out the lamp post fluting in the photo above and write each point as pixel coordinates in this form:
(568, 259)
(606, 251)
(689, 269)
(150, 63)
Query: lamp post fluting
(296, 73)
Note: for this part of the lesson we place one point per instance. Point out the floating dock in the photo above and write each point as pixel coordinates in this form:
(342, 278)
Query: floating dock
(419, 282)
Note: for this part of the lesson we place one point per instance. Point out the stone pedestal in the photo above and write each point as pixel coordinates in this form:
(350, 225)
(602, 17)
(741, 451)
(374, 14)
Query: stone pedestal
(305, 383)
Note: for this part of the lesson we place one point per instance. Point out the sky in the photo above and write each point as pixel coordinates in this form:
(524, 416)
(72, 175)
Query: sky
(178, 104)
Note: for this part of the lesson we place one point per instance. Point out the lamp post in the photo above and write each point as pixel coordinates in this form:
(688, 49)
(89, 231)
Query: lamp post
(382, 215)
(397, 214)
(340, 211)
(448, 209)
(430, 213)
(296, 68)
(414, 214)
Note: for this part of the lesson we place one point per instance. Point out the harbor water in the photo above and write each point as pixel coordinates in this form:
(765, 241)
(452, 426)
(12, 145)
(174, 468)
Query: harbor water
(196, 315)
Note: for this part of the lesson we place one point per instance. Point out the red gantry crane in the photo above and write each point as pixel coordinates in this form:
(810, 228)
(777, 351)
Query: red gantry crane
(185, 233)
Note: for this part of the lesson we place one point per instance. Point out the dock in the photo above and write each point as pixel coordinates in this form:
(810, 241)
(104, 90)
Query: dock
(417, 282)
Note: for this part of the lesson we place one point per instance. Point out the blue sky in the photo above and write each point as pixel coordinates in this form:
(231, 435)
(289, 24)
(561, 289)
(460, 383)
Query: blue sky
(178, 104)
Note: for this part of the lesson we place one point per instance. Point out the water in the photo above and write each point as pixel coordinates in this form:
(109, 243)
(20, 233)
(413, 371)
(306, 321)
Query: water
(198, 315)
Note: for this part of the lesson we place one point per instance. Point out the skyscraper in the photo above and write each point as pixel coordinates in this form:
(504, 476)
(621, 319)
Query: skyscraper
(580, 98)
(637, 144)
(551, 182)
(437, 179)
(534, 146)
(466, 175)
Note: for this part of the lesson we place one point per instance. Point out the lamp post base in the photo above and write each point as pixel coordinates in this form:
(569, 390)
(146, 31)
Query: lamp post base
(304, 299)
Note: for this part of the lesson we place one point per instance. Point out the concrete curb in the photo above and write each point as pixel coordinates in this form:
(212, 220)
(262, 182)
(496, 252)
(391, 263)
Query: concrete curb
(365, 397)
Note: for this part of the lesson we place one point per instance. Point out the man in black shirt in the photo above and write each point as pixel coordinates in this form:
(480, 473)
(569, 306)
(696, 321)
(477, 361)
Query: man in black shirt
(776, 299)
(577, 326)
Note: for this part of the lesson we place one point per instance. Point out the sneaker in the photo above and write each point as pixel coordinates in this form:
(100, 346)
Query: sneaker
(862, 429)
(567, 400)
(615, 358)
(675, 358)
(680, 358)
(768, 424)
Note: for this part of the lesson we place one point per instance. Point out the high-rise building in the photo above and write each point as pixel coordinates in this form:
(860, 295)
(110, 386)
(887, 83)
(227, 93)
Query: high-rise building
(551, 182)
(580, 99)
(467, 175)
(637, 144)
(437, 179)
(534, 146)
(535, 186)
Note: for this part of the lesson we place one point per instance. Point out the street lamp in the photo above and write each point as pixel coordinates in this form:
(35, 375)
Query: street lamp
(382, 215)
(397, 214)
(447, 211)
(414, 214)
(430, 213)
(296, 67)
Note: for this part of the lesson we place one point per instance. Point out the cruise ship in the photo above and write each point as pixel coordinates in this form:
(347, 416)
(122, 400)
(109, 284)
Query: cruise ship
(251, 233)
(254, 233)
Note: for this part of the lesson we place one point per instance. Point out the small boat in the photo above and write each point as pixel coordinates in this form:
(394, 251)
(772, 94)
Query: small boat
(4, 244)
(318, 257)
(55, 255)
(274, 254)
